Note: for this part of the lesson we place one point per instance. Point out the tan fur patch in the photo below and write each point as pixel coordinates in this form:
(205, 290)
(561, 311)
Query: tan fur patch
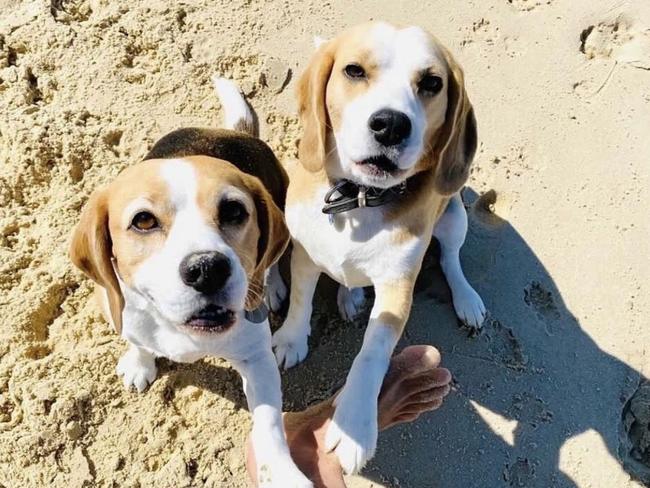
(395, 301)
(129, 247)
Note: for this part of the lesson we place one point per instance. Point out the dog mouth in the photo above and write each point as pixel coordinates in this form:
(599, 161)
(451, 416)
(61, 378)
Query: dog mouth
(211, 319)
(379, 166)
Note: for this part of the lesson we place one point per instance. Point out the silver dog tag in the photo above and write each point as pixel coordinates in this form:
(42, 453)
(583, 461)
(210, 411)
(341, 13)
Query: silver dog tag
(257, 316)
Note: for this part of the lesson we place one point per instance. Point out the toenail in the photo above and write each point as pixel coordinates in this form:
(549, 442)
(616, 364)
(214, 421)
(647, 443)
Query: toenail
(432, 355)
(445, 376)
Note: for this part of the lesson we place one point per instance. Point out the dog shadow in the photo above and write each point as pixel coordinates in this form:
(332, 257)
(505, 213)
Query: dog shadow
(530, 381)
(213, 375)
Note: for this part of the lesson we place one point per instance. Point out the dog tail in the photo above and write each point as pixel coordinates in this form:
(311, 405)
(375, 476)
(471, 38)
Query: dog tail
(238, 114)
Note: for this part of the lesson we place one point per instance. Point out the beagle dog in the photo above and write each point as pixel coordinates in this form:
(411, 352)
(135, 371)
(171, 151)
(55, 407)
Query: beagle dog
(388, 137)
(178, 245)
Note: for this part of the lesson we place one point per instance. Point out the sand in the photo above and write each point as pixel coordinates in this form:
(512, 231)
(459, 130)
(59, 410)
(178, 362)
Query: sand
(553, 393)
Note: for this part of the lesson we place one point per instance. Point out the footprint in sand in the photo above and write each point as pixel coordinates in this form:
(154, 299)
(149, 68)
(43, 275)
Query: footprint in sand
(619, 40)
(504, 346)
(541, 300)
(635, 445)
(520, 473)
(530, 409)
(543, 304)
(483, 33)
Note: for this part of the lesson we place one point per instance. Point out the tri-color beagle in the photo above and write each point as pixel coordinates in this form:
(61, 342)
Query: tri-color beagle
(388, 137)
(179, 245)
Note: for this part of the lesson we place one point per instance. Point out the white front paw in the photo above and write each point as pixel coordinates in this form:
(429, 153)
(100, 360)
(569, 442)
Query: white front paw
(138, 369)
(281, 474)
(353, 432)
(350, 301)
(290, 344)
(276, 290)
(469, 307)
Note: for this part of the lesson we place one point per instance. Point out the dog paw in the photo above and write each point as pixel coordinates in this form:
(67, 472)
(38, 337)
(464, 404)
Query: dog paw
(469, 307)
(290, 345)
(353, 432)
(281, 474)
(276, 290)
(353, 450)
(350, 301)
(138, 369)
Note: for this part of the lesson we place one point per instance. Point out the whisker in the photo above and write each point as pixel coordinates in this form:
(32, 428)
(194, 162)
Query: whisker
(331, 152)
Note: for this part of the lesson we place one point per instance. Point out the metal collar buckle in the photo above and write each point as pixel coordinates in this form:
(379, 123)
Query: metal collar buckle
(345, 195)
(361, 197)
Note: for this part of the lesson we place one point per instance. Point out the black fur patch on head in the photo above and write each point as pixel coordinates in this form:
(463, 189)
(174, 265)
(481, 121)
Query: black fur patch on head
(251, 155)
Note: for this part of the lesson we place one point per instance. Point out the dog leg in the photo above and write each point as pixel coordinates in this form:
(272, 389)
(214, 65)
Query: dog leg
(353, 431)
(276, 290)
(261, 378)
(138, 367)
(450, 231)
(290, 340)
(350, 301)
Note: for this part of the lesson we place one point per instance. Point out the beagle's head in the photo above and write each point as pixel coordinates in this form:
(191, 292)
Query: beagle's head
(188, 238)
(379, 103)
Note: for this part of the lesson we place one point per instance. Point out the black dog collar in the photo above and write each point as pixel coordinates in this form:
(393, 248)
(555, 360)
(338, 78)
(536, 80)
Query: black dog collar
(346, 195)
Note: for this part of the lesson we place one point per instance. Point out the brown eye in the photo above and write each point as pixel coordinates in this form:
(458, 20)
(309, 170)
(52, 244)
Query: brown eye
(354, 71)
(430, 85)
(144, 222)
(232, 212)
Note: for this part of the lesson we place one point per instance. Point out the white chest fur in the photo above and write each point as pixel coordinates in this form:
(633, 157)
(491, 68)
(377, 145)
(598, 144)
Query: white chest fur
(356, 248)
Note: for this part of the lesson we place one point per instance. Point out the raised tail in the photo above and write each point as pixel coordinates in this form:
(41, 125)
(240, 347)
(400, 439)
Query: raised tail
(238, 115)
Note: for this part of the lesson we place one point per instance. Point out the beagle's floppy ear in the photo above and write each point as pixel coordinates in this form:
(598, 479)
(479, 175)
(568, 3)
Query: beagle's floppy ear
(312, 108)
(272, 242)
(90, 251)
(456, 140)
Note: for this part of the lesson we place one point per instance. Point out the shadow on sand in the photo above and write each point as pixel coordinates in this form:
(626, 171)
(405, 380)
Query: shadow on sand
(533, 365)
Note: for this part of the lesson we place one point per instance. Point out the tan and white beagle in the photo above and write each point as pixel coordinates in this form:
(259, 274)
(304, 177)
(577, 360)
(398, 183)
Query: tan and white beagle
(388, 137)
(179, 245)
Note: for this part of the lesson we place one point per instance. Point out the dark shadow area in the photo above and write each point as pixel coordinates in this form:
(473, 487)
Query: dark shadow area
(221, 380)
(532, 363)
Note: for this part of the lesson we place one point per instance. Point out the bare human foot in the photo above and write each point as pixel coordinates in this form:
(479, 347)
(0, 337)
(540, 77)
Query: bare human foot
(415, 383)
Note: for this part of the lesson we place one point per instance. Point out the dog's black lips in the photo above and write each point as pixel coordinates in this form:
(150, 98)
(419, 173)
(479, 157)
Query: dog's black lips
(212, 318)
(380, 163)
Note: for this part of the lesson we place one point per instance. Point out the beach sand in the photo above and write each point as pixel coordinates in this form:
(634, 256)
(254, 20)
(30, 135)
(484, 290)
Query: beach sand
(552, 393)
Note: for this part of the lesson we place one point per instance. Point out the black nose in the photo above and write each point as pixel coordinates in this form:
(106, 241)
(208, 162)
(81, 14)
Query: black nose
(389, 127)
(206, 271)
